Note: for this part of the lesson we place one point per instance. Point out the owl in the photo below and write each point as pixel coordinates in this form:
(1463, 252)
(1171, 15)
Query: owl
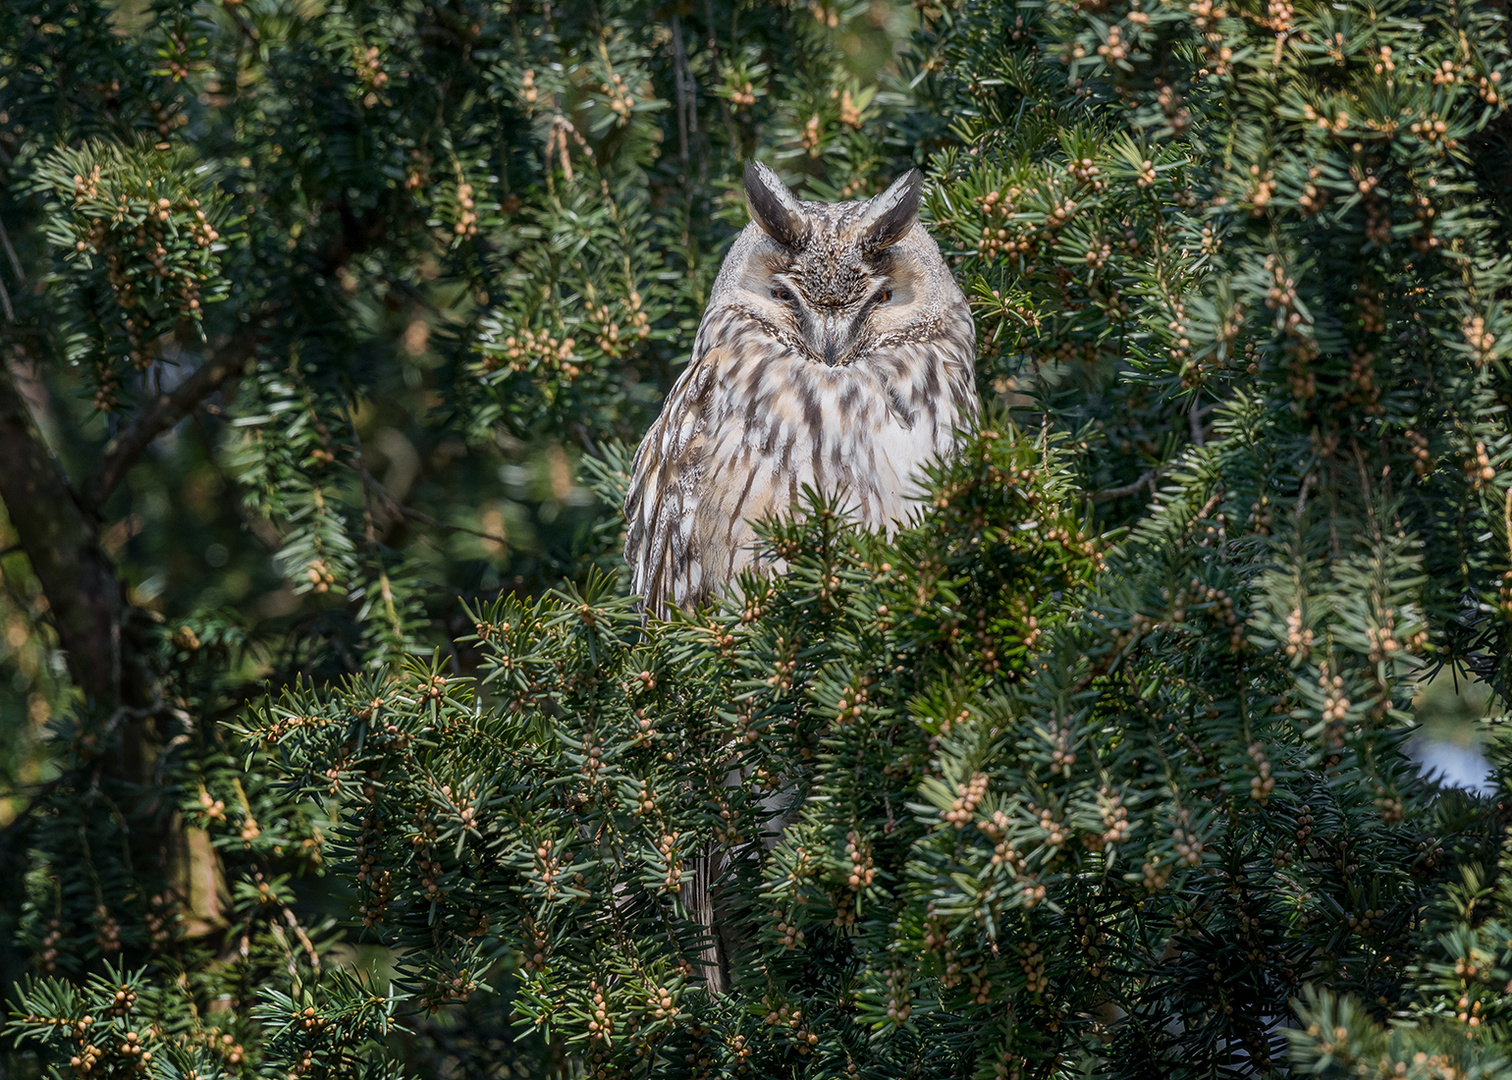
(836, 352)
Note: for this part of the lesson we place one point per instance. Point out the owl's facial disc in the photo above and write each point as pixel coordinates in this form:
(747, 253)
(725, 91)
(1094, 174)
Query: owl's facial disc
(832, 329)
(829, 280)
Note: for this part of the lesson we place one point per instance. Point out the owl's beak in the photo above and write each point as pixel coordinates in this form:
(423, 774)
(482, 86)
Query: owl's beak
(834, 339)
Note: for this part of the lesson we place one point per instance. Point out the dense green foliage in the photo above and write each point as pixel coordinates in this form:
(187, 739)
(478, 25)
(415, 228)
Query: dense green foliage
(398, 265)
(326, 330)
(599, 770)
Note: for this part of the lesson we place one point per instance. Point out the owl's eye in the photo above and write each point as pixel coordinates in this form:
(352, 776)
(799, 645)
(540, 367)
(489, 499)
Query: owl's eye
(779, 293)
(882, 297)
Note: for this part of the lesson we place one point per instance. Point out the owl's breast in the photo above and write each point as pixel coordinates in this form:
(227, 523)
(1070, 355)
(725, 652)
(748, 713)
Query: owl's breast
(777, 422)
(753, 421)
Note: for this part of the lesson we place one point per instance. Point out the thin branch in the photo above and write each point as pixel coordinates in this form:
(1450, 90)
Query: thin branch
(39, 797)
(679, 66)
(167, 410)
(426, 519)
(1194, 421)
(10, 312)
(248, 30)
(416, 515)
(304, 938)
(44, 792)
(1146, 479)
(11, 254)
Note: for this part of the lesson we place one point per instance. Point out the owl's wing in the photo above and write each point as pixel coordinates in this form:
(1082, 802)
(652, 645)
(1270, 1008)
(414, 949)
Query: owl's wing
(661, 506)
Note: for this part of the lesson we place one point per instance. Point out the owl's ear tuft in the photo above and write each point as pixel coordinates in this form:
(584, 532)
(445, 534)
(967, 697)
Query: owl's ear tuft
(773, 206)
(887, 218)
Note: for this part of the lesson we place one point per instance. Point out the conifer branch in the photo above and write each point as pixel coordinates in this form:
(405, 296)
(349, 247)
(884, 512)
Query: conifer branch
(166, 410)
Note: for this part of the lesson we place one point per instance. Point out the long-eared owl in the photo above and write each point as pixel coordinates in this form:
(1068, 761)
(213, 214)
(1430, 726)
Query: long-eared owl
(836, 352)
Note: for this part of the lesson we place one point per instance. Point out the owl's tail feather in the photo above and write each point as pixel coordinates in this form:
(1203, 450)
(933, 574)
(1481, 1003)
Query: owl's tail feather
(698, 897)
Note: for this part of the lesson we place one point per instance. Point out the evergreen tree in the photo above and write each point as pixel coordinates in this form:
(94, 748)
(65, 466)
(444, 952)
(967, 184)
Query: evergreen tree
(1099, 767)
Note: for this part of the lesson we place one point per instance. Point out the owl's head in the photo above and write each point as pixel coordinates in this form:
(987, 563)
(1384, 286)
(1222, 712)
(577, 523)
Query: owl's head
(835, 281)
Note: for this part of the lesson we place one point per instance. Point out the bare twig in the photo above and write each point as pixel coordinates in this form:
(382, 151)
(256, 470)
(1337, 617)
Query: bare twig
(10, 253)
(399, 508)
(679, 63)
(39, 797)
(42, 794)
(1307, 482)
(167, 410)
(1146, 479)
(426, 519)
(248, 30)
(304, 939)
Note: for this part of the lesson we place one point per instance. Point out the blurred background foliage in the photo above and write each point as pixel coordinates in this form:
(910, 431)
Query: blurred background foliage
(326, 323)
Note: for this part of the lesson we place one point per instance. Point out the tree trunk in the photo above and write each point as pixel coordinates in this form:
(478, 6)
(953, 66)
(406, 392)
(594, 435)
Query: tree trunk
(86, 600)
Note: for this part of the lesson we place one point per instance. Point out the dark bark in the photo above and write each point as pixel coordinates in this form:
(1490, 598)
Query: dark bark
(86, 600)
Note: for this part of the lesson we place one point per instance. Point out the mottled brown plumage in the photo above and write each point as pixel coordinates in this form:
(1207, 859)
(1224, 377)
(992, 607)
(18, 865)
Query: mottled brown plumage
(836, 352)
